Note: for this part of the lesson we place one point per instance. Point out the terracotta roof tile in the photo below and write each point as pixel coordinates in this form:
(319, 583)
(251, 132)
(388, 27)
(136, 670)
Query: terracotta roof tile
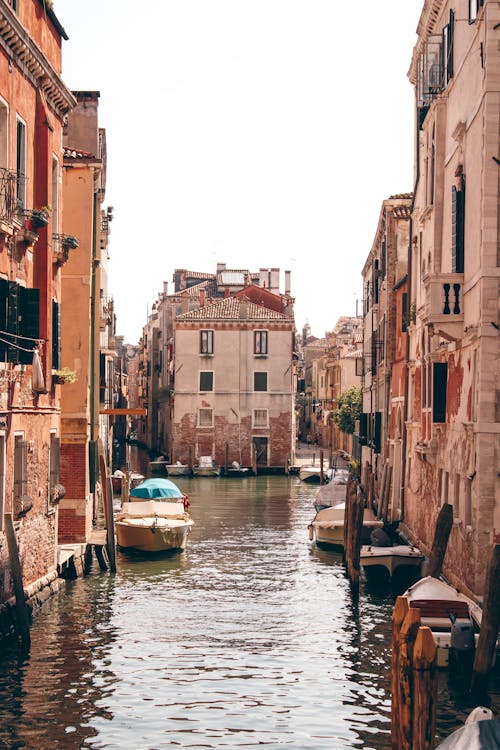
(232, 308)
(75, 153)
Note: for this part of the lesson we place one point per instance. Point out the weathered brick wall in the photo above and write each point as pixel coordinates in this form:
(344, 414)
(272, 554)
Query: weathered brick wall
(73, 509)
(237, 437)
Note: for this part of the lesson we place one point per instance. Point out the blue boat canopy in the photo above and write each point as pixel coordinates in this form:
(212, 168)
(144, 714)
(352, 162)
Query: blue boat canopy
(156, 488)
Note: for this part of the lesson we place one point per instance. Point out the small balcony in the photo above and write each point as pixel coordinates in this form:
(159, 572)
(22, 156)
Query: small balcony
(61, 245)
(11, 213)
(444, 304)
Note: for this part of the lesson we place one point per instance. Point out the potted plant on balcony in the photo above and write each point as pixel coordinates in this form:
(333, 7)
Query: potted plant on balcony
(64, 375)
(40, 216)
(69, 242)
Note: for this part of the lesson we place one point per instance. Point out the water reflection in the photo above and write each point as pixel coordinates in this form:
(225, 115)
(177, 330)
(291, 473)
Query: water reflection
(251, 636)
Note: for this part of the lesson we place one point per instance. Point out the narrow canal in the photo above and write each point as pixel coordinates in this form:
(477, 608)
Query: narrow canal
(250, 637)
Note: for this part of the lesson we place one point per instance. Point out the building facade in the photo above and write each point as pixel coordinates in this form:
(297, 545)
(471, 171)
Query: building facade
(33, 105)
(234, 383)
(453, 445)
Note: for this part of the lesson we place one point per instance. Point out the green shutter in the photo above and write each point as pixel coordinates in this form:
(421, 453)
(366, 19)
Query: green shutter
(440, 378)
(29, 322)
(56, 335)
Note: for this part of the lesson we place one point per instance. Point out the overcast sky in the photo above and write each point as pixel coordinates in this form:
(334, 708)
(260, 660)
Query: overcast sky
(259, 133)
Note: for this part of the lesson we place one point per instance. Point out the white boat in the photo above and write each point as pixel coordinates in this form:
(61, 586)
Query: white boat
(312, 474)
(327, 527)
(439, 603)
(178, 469)
(159, 465)
(390, 558)
(152, 526)
(118, 476)
(236, 470)
(206, 467)
(481, 731)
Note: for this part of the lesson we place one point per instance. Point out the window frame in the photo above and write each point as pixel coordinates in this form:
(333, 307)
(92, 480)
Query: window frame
(201, 374)
(207, 340)
(261, 342)
(199, 421)
(474, 8)
(255, 423)
(257, 373)
(21, 161)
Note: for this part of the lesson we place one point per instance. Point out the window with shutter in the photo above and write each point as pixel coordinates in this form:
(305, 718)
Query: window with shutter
(440, 379)
(404, 312)
(206, 342)
(4, 297)
(56, 335)
(377, 432)
(457, 227)
(260, 381)
(474, 6)
(206, 380)
(20, 467)
(29, 323)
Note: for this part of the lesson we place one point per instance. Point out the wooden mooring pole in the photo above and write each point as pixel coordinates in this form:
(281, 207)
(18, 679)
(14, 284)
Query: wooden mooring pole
(414, 686)
(490, 623)
(321, 475)
(444, 525)
(21, 609)
(107, 494)
(353, 525)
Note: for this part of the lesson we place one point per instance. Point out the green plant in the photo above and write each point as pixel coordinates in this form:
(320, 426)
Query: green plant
(64, 375)
(354, 468)
(349, 408)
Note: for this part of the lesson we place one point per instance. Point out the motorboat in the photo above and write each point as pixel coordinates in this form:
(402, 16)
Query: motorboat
(152, 526)
(327, 527)
(178, 469)
(236, 470)
(391, 558)
(206, 467)
(159, 465)
(156, 518)
(118, 477)
(312, 474)
(481, 731)
(443, 608)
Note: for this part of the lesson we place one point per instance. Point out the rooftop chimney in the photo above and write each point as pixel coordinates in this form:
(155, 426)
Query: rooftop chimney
(287, 282)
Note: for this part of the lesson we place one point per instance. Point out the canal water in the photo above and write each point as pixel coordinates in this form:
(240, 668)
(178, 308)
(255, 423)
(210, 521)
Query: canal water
(251, 637)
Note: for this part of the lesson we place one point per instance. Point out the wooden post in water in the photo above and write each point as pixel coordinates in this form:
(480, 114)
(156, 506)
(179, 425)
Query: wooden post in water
(444, 524)
(384, 498)
(382, 490)
(321, 476)
(407, 635)
(353, 524)
(227, 457)
(108, 513)
(254, 459)
(490, 623)
(424, 689)
(399, 613)
(21, 609)
(190, 459)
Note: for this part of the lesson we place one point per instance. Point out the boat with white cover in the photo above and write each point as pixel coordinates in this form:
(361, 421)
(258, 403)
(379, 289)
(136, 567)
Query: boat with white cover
(391, 557)
(439, 604)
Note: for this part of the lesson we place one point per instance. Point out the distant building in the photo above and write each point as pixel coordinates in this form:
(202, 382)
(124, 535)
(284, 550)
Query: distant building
(221, 370)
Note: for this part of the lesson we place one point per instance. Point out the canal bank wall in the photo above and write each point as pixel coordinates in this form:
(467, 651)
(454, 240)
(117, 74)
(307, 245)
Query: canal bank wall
(71, 563)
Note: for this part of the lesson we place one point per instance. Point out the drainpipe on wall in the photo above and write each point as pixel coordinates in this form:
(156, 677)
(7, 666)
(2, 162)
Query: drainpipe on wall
(93, 462)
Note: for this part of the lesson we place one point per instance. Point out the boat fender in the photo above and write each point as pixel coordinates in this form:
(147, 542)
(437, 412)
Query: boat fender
(185, 501)
(311, 532)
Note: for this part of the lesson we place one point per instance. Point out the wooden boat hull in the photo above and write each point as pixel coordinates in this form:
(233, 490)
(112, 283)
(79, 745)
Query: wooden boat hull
(204, 471)
(327, 527)
(390, 558)
(177, 470)
(312, 474)
(152, 537)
